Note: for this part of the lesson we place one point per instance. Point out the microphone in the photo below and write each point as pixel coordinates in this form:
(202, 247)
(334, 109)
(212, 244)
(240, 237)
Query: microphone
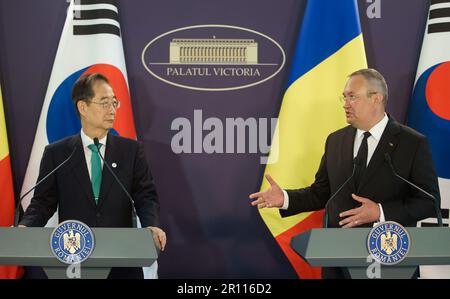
(356, 162)
(387, 157)
(16, 213)
(97, 144)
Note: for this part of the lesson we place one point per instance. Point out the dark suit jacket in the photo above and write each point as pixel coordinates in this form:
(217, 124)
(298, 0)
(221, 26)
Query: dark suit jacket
(411, 157)
(70, 188)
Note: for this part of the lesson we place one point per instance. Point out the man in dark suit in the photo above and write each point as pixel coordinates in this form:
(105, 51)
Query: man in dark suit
(83, 189)
(373, 194)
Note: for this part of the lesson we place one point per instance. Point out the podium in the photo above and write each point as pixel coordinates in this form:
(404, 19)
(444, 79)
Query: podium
(114, 247)
(347, 248)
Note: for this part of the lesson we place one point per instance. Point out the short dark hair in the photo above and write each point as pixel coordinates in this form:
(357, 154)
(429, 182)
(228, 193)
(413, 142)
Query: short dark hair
(82, 89)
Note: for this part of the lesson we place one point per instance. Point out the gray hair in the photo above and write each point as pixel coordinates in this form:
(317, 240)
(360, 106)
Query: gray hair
(375, 80)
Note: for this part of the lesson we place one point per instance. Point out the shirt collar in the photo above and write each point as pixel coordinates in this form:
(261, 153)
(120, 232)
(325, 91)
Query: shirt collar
(377, 130)
(86, 140)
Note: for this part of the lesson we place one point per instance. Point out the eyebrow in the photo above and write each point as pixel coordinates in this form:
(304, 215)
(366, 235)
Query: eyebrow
(107, 98)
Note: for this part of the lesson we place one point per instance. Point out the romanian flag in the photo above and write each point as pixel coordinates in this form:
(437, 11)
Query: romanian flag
(329, 48)
(7, 192)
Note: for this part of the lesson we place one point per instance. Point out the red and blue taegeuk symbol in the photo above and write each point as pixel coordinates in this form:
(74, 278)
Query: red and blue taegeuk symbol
(62, 119)
(430, 113)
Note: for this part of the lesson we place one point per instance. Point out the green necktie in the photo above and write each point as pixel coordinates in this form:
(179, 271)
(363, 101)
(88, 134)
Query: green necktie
(96, 171)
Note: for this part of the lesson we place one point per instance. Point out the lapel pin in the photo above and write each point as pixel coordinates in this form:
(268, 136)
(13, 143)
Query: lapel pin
(391, 144)
(114, 165)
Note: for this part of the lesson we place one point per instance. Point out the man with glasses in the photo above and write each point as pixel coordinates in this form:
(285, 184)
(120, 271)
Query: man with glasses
(83, 189)
(373, 193)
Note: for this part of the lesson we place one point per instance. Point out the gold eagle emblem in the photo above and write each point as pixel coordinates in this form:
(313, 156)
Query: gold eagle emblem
(72, 242)
(388, 242)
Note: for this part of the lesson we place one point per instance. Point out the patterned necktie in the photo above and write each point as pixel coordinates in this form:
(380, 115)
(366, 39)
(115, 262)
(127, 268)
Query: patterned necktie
(96, 171)
(361, 159)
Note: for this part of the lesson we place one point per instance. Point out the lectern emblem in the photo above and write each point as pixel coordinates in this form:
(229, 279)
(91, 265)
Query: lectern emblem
(388, 243)
(72, 242)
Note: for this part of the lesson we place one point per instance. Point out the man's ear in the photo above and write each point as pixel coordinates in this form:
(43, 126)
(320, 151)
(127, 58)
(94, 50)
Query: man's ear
(378, 98)
(81, 106)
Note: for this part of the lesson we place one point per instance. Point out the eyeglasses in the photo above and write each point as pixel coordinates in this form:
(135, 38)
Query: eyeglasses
(353, 98)
(107, 104)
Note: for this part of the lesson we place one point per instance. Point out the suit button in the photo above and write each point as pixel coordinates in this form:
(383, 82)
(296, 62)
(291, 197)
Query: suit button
(98, 215)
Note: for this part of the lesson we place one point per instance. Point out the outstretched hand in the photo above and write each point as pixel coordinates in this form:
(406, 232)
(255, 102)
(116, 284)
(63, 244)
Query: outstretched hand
(272, 197)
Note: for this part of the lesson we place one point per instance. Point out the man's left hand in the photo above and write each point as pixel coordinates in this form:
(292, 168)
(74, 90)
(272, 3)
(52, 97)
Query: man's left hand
(159, 236)
(368, 212)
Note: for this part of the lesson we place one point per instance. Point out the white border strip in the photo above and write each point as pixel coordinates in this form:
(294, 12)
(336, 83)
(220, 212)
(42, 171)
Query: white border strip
(96, 6)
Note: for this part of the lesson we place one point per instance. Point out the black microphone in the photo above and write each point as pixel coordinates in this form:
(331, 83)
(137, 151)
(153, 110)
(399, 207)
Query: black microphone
(356, 162)
(387, 157)
(16, 213)
(97, 144)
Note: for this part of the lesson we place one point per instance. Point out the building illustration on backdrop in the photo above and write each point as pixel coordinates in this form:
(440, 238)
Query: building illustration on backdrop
(213, 51)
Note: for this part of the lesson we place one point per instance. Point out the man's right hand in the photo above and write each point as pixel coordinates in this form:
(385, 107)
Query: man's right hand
(273, 197)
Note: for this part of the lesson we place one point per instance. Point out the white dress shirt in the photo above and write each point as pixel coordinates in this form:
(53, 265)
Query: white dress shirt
(372, 143)
(86, 140)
